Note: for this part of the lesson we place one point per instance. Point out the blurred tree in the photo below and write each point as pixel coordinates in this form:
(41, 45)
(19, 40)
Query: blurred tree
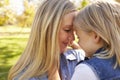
(11, 16)
(3, 17)
(83, 3)
(4, 3)
(7, 16)
(25, 20)
(3, 12)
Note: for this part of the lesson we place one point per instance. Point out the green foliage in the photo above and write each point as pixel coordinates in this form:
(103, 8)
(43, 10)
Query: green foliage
(7, 16)
(2, 3)
(10, 50)
(12, 45)
(6, 2)
(26, 18)
(83, 4)
(11, 16)
(3, 17)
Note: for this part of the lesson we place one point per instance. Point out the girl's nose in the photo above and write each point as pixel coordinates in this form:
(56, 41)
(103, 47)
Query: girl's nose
(71, 37)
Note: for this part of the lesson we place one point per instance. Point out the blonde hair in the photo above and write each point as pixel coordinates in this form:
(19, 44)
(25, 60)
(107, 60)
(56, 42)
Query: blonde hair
(42, 51)
(103, 18)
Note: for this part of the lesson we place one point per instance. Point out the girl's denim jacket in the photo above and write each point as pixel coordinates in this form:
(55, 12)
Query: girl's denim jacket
(104, 68)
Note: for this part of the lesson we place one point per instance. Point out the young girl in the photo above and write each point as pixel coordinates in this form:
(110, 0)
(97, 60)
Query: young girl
(98, 30)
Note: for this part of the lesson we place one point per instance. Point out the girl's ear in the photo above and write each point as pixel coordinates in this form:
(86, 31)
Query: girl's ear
(96, 37)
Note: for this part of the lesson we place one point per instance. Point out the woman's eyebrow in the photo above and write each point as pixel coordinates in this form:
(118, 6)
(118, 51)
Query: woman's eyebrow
(69, 26)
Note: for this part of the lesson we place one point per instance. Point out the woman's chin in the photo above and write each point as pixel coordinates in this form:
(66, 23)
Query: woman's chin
(63, 50)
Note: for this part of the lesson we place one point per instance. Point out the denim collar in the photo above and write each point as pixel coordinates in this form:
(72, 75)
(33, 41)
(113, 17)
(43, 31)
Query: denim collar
(74, 54)
(69, 56)
(100, 50)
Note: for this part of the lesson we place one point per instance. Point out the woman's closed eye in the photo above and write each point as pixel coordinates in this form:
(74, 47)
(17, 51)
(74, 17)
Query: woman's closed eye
(67, 30)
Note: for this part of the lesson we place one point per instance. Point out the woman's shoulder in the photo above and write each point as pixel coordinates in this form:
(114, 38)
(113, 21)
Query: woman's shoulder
(43, 77)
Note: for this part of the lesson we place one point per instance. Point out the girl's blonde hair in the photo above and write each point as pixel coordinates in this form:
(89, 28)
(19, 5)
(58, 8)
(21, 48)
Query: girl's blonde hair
(103, 18)
(42, 51)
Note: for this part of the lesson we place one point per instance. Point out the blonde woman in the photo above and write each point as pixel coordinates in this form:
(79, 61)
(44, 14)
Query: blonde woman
(98, 30)
(51, 32)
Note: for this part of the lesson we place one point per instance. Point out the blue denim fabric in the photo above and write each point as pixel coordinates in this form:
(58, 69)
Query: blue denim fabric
(44, 77)
(104, 68)
(68, 62)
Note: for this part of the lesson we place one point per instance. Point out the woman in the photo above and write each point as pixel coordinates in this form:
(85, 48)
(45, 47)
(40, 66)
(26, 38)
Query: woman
(52, 31)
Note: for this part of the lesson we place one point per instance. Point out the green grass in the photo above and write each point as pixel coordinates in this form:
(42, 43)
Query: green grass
(11, 47)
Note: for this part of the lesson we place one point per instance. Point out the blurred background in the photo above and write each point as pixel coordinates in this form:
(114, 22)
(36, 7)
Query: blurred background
(16, 17)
